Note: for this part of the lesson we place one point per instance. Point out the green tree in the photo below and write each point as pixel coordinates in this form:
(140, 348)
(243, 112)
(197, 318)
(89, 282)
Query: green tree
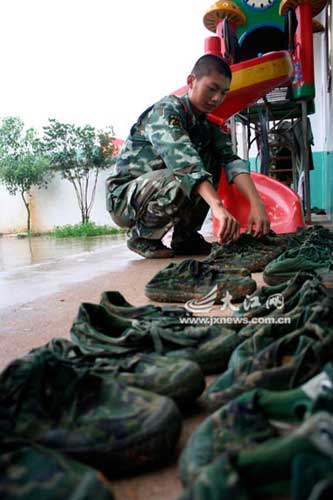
(22, 162)
(79, 154)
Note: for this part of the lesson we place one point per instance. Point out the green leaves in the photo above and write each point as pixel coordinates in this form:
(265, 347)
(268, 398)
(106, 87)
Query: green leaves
(23, 172)
(22, 162)
(79, 154)
(74, 150)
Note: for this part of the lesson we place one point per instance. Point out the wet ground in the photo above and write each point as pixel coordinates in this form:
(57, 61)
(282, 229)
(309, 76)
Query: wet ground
(42, 284)
(34, 267)
(18, 251)
(31, 268)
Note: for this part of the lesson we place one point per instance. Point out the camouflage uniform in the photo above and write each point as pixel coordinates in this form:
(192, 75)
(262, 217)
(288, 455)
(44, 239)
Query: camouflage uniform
(168, 152)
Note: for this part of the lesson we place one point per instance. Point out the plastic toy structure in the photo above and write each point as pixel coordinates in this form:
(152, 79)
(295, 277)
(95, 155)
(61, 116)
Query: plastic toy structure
(282, 203)
(269, 45)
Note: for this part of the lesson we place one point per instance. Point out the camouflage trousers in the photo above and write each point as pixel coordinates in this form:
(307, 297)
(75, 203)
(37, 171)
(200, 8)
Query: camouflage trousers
(153, 203)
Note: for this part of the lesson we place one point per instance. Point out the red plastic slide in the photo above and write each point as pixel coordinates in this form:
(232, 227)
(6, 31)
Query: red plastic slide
(282, 203)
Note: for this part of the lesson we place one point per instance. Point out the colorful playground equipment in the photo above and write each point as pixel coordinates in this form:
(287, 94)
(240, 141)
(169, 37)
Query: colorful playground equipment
(256, 27)
(269, 45)
(254, 32)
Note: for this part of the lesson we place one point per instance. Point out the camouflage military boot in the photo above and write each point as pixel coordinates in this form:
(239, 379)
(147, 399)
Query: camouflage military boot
(219, 480)
(192, 279)
(320, 237)
(264, 473)
(236, 426)
(310, 301)
(284, 364)
(195, 244)
(150, 249)
(116, 303)
(98, 332)
(96, 420)
(261, 337)
(251, 419)
(182, 380)
(252, 261)
(30, 471)
(306, 258)
(247, 252)
(307, 312)
(278, 298)
(265, 470)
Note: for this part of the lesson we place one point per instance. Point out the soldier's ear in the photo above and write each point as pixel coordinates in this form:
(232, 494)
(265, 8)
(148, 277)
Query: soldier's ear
(190, 80)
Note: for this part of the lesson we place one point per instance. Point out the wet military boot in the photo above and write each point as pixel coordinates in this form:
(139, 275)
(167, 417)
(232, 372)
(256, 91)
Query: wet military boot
(182, 380)
(310, 301)
(150, 249)
(192, 279)
(251, 419)
(321, 237)
(306, 258)
(279, 298)
(304, 314)
(261, 337)
(217, 481)
(260, 466)
(247, 252)
(236, 426)
(31, 471)
(265, 470)
(100, 333)
(96, 420)
(116, 303)
(285, 364)
(195, 244)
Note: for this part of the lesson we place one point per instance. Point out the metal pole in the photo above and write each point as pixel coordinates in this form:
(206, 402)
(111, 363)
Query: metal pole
(245, 142)
(306, 156)
(233, 134)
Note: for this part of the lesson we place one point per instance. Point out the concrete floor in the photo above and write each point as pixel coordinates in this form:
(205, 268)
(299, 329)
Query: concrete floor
(40, 292)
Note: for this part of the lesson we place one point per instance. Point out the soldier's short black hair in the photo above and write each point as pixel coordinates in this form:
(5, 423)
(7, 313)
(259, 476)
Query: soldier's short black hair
(208, 63)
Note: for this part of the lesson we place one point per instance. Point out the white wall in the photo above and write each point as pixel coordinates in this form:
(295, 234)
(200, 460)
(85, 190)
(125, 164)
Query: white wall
(317, 119)
(12, 212)
(54, 206)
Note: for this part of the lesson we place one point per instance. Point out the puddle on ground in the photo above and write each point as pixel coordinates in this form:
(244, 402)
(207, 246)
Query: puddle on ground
(19, 252)
(41, 266)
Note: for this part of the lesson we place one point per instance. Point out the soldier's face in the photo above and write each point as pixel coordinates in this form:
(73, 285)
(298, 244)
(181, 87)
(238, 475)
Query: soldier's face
(207, 92)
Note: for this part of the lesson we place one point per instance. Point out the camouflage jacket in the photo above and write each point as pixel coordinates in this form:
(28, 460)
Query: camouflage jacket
(169, 135)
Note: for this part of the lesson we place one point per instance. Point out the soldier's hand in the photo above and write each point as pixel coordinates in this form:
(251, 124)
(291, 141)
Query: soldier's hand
(258, 224)
(229, 227)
